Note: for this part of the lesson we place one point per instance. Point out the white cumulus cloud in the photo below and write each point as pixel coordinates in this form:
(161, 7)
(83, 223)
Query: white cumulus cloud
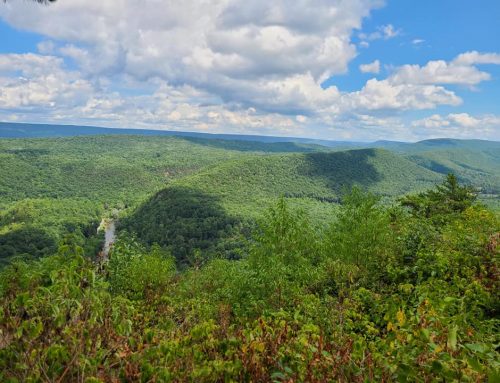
(373, 67)
(460, 71)
(385, 32)
(384, 95)
(461, 125)
(221, 65)
(30, 80)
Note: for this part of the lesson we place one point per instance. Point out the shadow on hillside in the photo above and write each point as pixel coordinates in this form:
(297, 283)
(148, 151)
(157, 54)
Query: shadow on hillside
(343, 170)
(28, 153)
(431, 165)
(186, 220)
(252, 146)
(26, 242)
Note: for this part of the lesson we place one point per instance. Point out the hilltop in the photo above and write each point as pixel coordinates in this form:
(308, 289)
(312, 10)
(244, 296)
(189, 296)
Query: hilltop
(216, 201)
(51, 185)
(235, 259)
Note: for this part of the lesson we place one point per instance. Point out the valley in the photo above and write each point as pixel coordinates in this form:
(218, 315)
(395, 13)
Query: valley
(52, 185)
(249, 191)
(238, 259)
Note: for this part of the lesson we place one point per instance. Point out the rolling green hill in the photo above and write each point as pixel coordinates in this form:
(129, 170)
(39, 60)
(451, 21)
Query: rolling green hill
(218, 203)
(475, 162)
(317, 176)
(479, 168)
(56, 185)
(104, 167)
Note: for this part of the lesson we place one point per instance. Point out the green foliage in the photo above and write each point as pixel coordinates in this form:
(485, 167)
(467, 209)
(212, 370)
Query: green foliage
(282, 262)
(213, 209)
(362, 236)
(27, 242)
(249, 185)
(386, 303)
(473, 164)
(68, 184)
(135, 273)
(186, 222)
(446, 199)
(286, 233)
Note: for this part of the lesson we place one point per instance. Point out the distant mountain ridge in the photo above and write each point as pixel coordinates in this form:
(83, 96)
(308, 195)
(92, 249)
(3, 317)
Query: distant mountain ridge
(25, 130)
(22, 130)
(475, 162)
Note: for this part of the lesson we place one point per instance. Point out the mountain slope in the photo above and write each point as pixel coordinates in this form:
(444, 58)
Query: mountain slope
(52, 186)
(61, 184)
(319, 176)
(436, 144)
(475, 162)
(213, 202)
(480, 167)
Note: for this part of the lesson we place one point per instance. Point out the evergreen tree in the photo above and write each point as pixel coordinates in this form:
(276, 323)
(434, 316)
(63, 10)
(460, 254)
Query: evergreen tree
(448, 198)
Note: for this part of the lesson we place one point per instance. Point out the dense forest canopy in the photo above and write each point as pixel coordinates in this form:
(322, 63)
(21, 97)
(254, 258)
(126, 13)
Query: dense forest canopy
(249, 191)
(247, 261)
(380, 293)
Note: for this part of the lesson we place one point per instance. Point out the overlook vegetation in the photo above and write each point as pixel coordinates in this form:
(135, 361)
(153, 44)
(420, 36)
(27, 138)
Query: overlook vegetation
(248, 261)
(50, 186)
(380, 293)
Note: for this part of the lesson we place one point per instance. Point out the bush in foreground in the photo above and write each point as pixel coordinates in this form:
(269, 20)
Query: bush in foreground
(382, 294)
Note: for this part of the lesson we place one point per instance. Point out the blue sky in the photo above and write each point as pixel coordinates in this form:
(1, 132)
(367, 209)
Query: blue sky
(359, 69)
(447, 28)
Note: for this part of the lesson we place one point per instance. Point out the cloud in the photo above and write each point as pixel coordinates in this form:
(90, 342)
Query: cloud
(384, 32)
(439, 72)
(48, 89)
(465, 120)
(41, 87)
(272, 57)
(301, 118)
(474, 57)
(373, 67)
(389, 31)
(222, 65)
(431, 122)
(385, 95)
(417, 41)
(202, 42)
(461, 125)
(29, 80)
(460, 71)
(368, 127)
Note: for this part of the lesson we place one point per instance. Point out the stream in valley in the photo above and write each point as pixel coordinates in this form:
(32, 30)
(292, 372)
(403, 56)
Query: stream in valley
(109, 226)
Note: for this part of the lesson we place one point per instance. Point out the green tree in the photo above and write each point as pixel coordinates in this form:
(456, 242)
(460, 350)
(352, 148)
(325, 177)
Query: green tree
(281, 261)
(361, 235)
(448, 198)
(136, 273)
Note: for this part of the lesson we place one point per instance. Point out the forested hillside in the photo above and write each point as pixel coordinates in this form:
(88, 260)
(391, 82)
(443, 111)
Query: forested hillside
(215, 202)
(49, 187)
(405, 292)
(475, 167)
(52, 186)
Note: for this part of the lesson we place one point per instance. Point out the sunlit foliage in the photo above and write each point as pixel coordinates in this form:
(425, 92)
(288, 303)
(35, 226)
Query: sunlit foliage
(381, 293)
